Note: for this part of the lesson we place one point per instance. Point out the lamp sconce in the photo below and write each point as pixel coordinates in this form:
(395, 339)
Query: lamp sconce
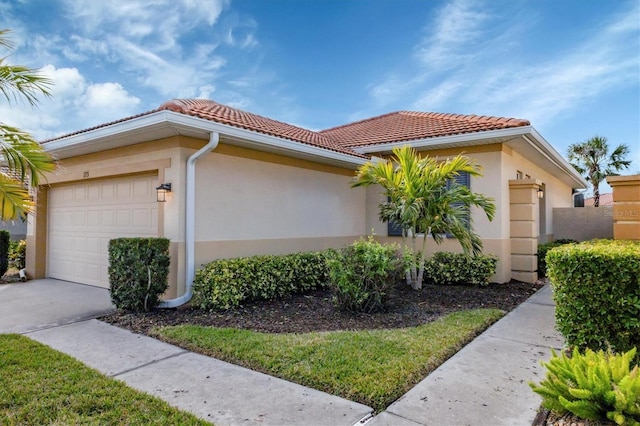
(162, 192)
(540, 194)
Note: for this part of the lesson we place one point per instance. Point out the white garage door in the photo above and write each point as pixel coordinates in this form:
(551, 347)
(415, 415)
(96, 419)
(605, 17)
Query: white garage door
(83, 217)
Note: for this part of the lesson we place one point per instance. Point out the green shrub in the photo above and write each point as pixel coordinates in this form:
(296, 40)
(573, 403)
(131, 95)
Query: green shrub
(542, 253)
(226, 283)
(445, 268)
(595, 386)
(18, 254)
(596, 287)
(5, 241)
(362, 274)
(138, 272)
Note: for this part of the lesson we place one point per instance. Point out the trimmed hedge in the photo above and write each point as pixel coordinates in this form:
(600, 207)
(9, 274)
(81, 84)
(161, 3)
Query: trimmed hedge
(226, 283)
(596, 287)
(362, 274)
(445, 268)
(542, 253)
(138, 272)
(5, 244)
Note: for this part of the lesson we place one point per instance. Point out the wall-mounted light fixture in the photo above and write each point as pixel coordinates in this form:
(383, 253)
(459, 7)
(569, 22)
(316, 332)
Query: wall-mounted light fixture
(540, 194)
(162, 192)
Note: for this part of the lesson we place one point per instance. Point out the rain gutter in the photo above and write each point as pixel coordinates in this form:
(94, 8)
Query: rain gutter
(190, 222)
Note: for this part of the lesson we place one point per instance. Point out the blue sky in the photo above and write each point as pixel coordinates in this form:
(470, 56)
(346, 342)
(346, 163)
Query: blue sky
(570, 67)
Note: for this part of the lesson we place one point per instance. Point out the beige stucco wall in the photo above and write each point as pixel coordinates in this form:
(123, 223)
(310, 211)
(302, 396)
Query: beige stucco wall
(556, 192)
(247, 202)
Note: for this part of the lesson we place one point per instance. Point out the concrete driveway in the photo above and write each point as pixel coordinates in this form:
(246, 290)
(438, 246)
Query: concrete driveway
(41, 304)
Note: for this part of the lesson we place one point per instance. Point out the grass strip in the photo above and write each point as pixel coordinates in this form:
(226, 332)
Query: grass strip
(374, 367)
(39, 385)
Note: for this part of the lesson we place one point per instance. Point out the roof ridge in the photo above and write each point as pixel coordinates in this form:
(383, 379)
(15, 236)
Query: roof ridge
(214, 111)
(469, 117)
(172, 106)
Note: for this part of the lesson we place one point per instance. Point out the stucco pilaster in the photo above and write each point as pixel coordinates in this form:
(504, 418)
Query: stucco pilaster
(626, 206)
(523, 224)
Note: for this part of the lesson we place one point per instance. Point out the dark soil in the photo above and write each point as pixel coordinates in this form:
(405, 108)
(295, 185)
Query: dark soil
(546, 418)
(315, 311)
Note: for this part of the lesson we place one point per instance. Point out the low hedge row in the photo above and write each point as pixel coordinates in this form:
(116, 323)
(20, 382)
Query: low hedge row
(445, 268)
(596, 288)
(542, 253)
(225, 283)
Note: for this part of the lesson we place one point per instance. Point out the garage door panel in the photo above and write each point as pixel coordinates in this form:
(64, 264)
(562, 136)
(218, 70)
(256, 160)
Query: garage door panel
(83, 217)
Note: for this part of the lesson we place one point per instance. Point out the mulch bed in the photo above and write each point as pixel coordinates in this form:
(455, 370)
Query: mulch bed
(315, 311)
(546, 418)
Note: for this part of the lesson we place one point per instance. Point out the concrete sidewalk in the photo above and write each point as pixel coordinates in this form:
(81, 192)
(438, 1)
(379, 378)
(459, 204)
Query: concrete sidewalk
(486, 382)
(483, 384)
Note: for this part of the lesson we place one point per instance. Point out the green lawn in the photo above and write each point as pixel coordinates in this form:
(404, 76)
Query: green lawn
(374, 367)
(39, 386)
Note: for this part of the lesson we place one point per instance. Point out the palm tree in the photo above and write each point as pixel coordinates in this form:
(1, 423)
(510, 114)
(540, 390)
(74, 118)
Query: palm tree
(591, 159)
(23, 161)
(423, 198)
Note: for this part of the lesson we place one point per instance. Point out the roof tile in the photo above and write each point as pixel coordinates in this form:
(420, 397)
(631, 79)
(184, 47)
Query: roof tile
(393, 127)
(409, 125)
(210, 110)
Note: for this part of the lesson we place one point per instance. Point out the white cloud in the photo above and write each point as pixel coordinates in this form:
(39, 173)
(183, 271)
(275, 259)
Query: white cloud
(75, 104)
(109, 96)
(432, 99)
(453, 67)
(458, 26)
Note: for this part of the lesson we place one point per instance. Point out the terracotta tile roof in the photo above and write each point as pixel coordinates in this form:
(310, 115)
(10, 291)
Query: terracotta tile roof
(408, 125)
(392, 127)
(210, 110)
(605, 200)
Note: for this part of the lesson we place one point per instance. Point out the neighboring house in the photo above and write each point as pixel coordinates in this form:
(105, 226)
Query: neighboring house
(605, 200)
(262, 186)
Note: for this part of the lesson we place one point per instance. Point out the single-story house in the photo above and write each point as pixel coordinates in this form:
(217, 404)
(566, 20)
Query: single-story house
(242, 184)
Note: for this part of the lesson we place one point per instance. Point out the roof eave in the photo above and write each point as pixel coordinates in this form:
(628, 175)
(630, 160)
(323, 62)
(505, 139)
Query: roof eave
(526, 133)
(538, 142)
(168, 123)
(461, 139)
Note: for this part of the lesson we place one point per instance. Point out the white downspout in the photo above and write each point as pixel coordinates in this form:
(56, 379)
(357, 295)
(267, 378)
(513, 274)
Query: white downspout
(190, 223)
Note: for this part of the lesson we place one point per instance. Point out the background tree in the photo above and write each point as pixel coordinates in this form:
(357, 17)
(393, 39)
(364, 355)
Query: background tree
(423, 198)
(23, 161)
(591, 159)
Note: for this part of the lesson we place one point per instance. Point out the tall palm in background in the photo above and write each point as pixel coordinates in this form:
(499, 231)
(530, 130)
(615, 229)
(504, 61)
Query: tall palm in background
(23, 162)
(425, 199)
(591, 159)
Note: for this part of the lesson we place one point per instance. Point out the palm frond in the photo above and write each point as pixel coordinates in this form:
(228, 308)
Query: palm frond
(19, 81)
(23, 155)
(15, 200)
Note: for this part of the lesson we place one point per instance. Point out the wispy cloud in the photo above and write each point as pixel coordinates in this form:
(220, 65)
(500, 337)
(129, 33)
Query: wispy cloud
(470, 58)
(458, 26)
(159, 49)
